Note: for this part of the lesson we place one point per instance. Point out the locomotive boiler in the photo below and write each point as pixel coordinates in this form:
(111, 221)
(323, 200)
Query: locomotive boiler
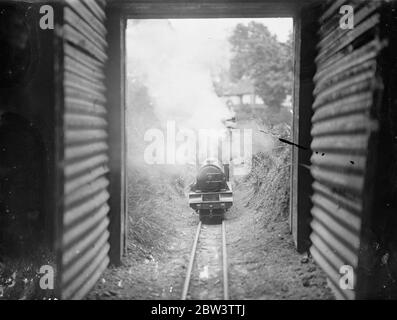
(211, 195)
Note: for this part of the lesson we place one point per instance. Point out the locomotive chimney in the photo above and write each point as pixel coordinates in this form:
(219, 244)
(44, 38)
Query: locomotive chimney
(226, 169)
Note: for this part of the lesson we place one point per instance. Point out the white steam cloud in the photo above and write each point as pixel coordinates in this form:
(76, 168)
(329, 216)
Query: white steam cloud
(176, 68)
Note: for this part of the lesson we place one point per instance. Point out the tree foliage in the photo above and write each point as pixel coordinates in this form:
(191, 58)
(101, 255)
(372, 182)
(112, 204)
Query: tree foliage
(259, 56)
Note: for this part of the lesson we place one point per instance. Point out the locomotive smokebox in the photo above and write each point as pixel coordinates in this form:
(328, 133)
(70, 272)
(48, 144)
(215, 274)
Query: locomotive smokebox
(211, 177)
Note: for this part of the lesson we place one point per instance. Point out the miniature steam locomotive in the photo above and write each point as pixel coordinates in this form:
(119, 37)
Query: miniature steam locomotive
(211, 195)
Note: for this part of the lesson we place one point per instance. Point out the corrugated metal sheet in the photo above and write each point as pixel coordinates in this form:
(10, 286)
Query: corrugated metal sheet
(84, 245)
(345, 85)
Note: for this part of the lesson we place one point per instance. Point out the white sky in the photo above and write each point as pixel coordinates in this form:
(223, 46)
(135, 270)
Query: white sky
(206, 39)
(222, 28)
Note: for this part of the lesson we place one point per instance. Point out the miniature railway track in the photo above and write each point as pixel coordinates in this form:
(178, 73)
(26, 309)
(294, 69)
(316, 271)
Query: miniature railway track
(192, 259)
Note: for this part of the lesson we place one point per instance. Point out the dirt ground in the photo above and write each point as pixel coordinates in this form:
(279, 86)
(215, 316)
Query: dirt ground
(263, 263)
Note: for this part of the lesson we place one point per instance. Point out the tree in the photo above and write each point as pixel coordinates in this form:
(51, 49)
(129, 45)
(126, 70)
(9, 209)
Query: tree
(259, 56)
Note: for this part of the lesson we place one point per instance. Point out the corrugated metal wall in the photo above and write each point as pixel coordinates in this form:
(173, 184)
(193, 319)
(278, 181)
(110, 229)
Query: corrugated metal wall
(346, 85)
(84, 229)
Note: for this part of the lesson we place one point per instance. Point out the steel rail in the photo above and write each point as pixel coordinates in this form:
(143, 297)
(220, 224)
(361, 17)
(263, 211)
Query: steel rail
(224, 258)
(191, 261)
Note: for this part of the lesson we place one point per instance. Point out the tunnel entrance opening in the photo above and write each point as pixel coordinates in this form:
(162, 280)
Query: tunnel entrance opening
(202, 88)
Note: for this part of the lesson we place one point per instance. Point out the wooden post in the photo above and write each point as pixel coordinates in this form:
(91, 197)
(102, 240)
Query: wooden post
(115, 80)
(305, 26)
